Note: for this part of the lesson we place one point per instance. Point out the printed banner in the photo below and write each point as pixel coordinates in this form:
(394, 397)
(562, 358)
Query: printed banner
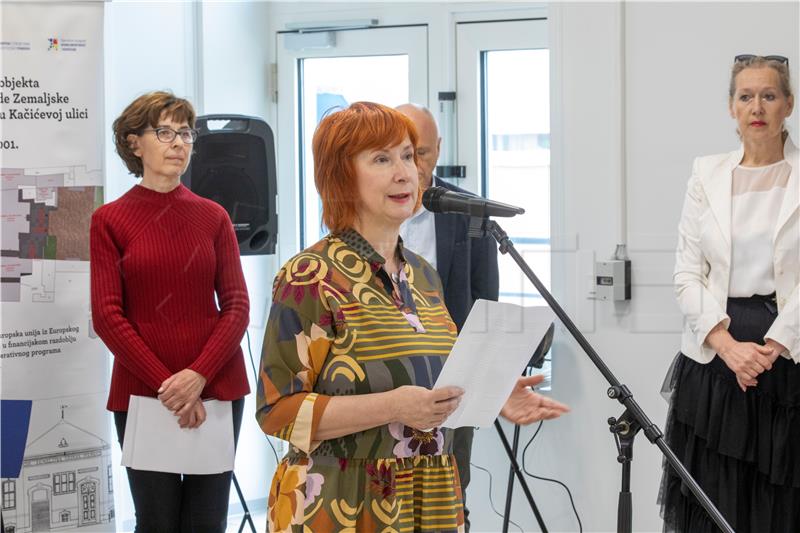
(53, 369)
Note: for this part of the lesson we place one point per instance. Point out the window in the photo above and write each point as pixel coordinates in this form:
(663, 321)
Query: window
(504, 137)
(9, 494)
(387, 65)
(110, 480)
(332, 83)
(10, 529)
(65, 516)
(516, 133)
(63, 483)
(504, 140)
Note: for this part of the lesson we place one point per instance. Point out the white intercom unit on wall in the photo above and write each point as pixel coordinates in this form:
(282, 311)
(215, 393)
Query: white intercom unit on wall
(613, 277)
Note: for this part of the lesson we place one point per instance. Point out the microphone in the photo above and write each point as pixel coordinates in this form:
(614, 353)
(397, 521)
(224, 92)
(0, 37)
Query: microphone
(442, 200)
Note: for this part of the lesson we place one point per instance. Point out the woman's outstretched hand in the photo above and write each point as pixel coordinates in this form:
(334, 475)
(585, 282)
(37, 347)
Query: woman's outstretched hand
(525, 406)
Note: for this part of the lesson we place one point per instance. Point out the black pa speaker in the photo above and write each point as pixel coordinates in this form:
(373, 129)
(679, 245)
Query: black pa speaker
(234, 165)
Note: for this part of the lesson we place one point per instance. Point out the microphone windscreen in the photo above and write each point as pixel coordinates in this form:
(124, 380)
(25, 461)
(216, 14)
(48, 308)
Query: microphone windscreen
(430, 198)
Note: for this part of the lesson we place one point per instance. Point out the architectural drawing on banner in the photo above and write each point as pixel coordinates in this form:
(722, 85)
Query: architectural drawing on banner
(65, 482)
(45, 227)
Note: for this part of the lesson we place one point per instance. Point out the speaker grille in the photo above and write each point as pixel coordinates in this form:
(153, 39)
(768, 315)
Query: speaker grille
(236, 169)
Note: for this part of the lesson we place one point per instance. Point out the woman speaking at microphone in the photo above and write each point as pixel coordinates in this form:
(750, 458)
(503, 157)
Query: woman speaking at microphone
(160, 257)
(356, 336)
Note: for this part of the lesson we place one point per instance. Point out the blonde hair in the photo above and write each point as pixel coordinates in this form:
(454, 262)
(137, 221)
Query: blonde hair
(782, 69)
(784, 80)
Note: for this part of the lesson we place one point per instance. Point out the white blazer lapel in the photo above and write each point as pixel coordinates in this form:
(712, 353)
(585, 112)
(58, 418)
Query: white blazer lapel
(718, 191)
(791, 199)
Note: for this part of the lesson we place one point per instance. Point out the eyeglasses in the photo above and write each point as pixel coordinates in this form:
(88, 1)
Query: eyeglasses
(750, 57)
(167, 135)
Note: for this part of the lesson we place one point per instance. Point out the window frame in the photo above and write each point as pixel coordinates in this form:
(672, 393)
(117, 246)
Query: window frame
(378, 40)
(9, 490)
(59, 483)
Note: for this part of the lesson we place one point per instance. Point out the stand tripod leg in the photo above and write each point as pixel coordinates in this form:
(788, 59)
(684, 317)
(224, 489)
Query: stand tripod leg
(520, 477)
(246, 518)
(510, 488)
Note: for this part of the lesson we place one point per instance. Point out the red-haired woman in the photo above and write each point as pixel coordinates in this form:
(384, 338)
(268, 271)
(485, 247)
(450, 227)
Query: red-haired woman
(357, 335)
(161, 256)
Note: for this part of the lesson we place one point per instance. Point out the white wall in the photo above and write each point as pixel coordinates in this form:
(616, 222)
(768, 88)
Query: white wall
(675, 82)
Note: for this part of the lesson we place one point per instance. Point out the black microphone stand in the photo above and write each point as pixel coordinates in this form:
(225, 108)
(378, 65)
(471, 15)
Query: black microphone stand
(512, 456)
(246, 518)
(632, 420)
(512, 471)
(535, 362)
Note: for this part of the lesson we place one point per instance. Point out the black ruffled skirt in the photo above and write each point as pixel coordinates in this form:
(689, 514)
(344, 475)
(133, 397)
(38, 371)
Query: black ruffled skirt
(742, 448)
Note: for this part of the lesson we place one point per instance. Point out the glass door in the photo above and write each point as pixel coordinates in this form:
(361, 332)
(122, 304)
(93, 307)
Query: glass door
(384, 65)
(503, 72)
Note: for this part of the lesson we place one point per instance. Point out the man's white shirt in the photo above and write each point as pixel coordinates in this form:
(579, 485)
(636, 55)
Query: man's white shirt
(419, 234)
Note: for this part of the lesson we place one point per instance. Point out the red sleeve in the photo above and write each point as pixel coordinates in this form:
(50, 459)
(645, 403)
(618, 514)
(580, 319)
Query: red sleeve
(108, 315)
(234, 305)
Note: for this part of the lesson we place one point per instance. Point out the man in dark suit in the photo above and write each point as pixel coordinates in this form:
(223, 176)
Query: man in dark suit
(468, 267)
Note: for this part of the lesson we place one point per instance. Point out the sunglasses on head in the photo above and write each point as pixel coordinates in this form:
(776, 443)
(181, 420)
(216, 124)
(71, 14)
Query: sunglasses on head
(748, 57)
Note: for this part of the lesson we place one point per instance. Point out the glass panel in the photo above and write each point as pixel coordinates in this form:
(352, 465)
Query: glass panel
(517, 147)
(517, 162)
(331, 83)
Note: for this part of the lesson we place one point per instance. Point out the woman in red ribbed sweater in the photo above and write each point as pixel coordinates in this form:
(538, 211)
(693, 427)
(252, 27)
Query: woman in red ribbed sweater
(160, 257)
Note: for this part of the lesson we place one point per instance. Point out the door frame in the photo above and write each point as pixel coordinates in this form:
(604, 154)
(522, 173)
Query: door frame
(409, 39)
(472, 39)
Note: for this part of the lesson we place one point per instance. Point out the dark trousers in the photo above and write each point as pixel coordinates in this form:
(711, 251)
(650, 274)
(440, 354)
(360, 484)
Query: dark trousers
(180, 503)
(462, 450)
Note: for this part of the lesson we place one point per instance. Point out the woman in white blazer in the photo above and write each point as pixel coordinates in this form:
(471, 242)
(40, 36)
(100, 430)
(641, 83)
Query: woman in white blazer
(734, 418)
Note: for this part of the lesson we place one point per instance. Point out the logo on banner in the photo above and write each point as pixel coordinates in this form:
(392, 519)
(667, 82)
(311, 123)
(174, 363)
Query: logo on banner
(59, 44)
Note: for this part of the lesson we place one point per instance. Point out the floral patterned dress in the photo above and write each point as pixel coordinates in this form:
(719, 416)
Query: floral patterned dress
(338, 326)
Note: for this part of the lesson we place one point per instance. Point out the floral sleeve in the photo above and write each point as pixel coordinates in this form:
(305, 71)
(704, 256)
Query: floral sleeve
(297, 341)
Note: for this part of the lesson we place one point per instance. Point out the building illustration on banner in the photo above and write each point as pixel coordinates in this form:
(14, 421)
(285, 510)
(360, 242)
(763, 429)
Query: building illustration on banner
(65, 482)
(46, 215)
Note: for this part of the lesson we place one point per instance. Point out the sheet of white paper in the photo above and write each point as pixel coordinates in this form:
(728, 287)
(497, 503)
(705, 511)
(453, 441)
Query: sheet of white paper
(154, 441)
(495, 344)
